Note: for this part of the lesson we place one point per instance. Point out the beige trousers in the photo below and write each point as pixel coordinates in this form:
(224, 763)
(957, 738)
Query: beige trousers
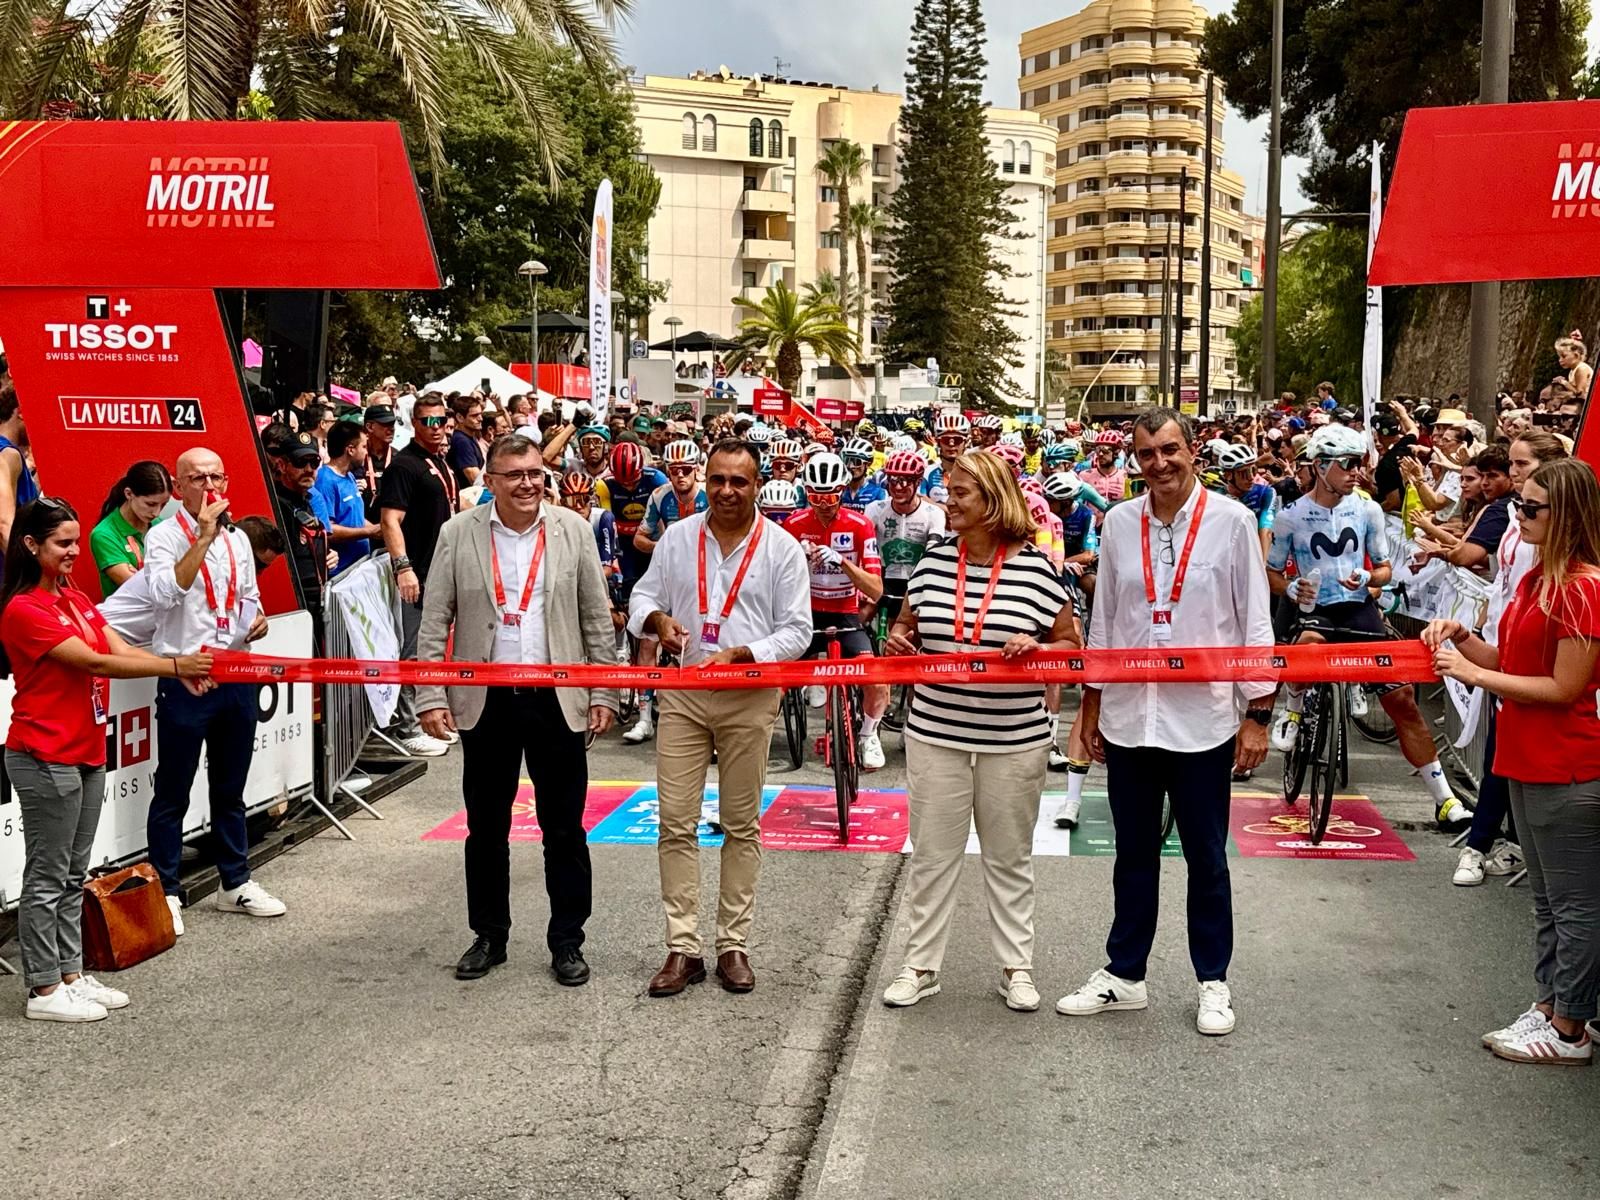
(737, 724)
(950, 790)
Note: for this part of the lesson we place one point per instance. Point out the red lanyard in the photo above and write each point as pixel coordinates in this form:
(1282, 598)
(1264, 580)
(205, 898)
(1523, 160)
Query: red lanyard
(372, 482)
(738, 578)
(1183, 559)
(533, 573)
(93, 636)
(988, 592)
(446, 481)
(138, 554)
(205, 572)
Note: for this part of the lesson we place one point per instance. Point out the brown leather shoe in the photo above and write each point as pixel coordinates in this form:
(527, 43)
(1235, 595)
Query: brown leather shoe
(733, 969)
(677, 973)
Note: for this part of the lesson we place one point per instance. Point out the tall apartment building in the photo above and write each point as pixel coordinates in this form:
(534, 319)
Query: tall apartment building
(742, 204)
(1120, 83)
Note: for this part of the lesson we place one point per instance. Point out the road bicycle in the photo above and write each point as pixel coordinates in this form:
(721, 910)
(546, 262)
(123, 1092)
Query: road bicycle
(794, 724)
(837, 745)
(894, 717)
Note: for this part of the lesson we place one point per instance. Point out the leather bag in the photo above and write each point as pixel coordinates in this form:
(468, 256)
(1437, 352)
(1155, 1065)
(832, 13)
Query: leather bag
(125, 919)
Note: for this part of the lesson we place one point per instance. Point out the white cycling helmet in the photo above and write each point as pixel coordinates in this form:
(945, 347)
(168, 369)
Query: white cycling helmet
(677, 453)
(1011, 439)
(778, 495)
(902, 441)
(1064, 485)
(989, 421)
(1337, 441)
(1230, 456)
(824, 472)
(951, 422)
(856, 449)
(758, 435)
(788, 448)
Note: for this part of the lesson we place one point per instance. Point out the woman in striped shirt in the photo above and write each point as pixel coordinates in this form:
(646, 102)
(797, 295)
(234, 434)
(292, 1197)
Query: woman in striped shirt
(976, 751)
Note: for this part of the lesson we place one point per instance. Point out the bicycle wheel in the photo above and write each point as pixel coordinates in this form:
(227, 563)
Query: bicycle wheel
(1168, 819)
(1299, 755)
(1376, 725)
(1324, 761)
(894, 717)
(794, 724)
(842, 748)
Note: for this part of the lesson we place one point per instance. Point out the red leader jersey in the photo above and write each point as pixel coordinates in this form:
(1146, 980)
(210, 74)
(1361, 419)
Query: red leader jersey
(854, 538)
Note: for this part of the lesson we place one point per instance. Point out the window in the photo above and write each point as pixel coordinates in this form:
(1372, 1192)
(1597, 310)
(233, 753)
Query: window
(1041, 62)
(775, 141)
(691, 125)
(1058, 261)
(708, 132)
(1063, 225)
(755, 137)
(1008, 157)
(830, 241)
(829, 195)
(1041, 96)
(1058, 294)
(1058, 329)
(749, 279)
(1025, 159)
(791, 140)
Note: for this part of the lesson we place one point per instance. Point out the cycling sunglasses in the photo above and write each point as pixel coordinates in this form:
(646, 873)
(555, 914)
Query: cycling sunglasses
(1348, 463)
(433, 422)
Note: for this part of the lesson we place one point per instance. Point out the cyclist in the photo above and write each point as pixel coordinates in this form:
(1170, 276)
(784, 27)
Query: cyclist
(1104, 475)
(630, 488)
(577, 493)
(1237, 466)
(842, 546)
(1033, 452)
(986, 430)
(778, 499)
(906, 525)
(951, 433)
(681, 496)
(594, 451)
(786, 454)
(1332, 534)
(1012, 454)
(862, 489)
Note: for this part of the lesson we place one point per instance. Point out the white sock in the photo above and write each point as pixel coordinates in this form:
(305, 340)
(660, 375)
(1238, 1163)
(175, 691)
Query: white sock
(1294, 698)
(1075, 782)
(869, 725)
(1055, 726)
(1437, 782)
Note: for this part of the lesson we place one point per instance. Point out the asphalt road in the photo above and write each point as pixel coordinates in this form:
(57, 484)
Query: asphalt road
(333, 1054)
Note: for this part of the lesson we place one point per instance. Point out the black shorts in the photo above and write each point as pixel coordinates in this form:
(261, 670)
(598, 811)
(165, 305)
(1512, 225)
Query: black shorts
(890, 606)
(853, 639)
(1358, 621)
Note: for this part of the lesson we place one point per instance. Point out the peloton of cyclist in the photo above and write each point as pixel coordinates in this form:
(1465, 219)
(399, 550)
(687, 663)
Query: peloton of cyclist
(1104, 476)
(681, 496)
(842, 547)
(1236, 465)
(986, 430)
(778, 499)
(594, 451)
(1332, 533)
(786, 454)
(862, 489)
(631, 485)
(951, 433)
(906, 525)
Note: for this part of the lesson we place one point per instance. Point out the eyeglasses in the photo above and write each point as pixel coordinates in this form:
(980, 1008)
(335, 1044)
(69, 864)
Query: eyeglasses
(1164, 550)
(433, 422)
(1348, 463)
(1528, 509)
(51, 503)
(519, 478)
(207, 480)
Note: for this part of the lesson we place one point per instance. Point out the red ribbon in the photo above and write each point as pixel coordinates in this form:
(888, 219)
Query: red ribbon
(1368, 662)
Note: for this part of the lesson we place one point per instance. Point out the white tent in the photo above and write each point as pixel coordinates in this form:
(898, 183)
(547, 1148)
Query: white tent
(475, 372)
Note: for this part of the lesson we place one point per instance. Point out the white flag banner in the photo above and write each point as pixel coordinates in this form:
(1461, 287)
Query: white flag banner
(1372, 342)
(363, 598)
(600, 302)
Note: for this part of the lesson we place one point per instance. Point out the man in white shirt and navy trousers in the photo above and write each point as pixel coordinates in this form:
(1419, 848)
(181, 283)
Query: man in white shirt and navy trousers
(202, 578)
(1179, 567)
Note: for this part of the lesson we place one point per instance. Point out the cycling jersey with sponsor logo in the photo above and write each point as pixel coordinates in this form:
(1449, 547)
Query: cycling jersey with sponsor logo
(853, 538)
(903, 539)
(1336, 541)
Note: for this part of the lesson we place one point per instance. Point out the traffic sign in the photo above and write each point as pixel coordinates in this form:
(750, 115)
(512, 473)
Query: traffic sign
(638, 348)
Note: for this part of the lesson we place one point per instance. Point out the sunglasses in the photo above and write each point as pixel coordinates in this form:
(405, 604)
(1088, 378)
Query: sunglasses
(433, 422)
(1528, 510)
(1348, 463)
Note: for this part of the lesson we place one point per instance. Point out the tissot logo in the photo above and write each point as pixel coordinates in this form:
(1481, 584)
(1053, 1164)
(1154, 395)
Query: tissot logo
(189, 193)
(1577, 181)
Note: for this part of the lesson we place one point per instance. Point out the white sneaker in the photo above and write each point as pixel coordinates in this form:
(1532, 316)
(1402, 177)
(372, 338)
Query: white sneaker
(64, 1004)
(1453, 815)
(1469, 868)
(1104, 993)
(910, 986)
(643, 730)
(1532, 1019)
(420, 745)
(1215, 1017)
(1543, 1045)
(107, 998)
(1504, 858)
(1356, 697)
(816, 695)
(1067, 815)
(251, 899)
(1018, 989)
(450, 738)
(1285, 730)
(871, 752)
(1057, 761)
(175, 906)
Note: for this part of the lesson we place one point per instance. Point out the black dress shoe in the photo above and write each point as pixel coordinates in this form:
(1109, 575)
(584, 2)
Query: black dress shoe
(570, 969)
(480, 956)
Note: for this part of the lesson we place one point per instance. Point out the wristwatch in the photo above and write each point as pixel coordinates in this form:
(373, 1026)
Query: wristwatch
(1261, 716)
(400, 564)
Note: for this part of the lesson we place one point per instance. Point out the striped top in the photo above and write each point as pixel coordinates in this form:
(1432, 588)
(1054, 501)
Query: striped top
(994, 719)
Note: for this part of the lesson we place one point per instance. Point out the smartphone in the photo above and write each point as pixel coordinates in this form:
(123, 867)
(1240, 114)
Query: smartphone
(1545, 418)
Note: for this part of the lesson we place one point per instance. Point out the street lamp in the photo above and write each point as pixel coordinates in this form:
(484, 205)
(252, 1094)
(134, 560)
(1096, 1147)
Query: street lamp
(483, 341)
(531, 270)
(673, 323)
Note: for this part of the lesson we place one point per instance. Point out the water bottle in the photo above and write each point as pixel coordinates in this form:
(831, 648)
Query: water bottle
(1314, 578)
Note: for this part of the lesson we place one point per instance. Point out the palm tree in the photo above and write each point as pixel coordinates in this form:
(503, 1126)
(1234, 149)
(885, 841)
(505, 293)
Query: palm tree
(841, 164)
(867, 220)
(825, 287)
(780, 324)
(202, 55)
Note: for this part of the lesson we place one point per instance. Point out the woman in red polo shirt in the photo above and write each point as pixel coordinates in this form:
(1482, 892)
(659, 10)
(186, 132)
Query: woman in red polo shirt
(61, 653)
(1546, 670)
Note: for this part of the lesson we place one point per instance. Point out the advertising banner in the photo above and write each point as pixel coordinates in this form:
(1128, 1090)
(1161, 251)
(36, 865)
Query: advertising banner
(600, 301)
(854, 410)
(364, 599)
(830, 409)
(1372, 336)
(283, 764)
(110, 376)
(769, 402)
(210, 204)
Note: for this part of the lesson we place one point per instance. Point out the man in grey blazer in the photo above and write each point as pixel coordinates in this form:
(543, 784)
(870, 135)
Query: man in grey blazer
(520, 581)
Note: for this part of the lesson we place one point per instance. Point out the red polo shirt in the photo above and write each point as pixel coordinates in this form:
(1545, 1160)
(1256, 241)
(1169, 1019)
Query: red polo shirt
(1548, 743)
(53, 712)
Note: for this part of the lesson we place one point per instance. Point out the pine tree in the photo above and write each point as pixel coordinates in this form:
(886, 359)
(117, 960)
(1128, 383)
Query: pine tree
(948, 212)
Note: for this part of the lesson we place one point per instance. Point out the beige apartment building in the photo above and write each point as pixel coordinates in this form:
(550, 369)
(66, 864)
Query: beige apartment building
(1121, 85)
(742, 204)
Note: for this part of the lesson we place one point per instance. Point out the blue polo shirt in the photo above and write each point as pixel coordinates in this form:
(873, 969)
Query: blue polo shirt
(336, 500)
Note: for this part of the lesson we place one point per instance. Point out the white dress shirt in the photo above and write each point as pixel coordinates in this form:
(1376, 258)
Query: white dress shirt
(772, 612)
(1225, 602)
(515, 552)
(131, 611)
(185, 620)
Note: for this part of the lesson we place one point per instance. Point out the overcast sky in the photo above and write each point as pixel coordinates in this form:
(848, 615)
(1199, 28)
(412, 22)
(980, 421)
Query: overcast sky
(858, 43)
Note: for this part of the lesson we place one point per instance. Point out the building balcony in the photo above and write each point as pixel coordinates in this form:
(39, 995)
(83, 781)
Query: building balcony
(1083, 202)
(1174, 87)
(1132, 14)
(1085, 272)
(1177, 14)
(1134, 88)
(1094, 235)
(1090, 93)
(1084, 168)
(1084, 306)
(1137, 199)
(1127, 268)
(1177, 128)
(1083, 130)
(766, 250)
(1083, 339)
(1090, 60)
(1128, 162)
(1121, 304)
(1130, 125)
(757, 200)
(1179, 56)
(1130, 54)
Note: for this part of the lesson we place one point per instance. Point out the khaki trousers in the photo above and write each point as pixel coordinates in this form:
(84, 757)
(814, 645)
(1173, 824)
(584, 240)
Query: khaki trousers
(737, 724)
(950, 790)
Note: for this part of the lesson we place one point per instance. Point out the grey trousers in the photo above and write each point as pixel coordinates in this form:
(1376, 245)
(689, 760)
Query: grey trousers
(1559, 825)
(405, 722)
(60, 811)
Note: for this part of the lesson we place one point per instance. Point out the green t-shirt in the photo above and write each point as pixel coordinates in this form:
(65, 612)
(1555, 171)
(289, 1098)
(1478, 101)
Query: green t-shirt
(115, 541)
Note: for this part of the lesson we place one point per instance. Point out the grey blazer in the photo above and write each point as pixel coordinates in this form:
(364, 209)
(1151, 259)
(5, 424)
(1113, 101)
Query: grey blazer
(459, 592)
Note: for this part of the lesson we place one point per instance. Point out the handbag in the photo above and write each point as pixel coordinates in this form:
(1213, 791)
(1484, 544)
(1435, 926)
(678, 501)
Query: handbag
(125, 919)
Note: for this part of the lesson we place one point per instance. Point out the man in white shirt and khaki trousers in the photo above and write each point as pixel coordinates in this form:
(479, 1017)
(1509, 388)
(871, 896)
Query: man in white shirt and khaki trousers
(724, 586)
(1179, 567)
